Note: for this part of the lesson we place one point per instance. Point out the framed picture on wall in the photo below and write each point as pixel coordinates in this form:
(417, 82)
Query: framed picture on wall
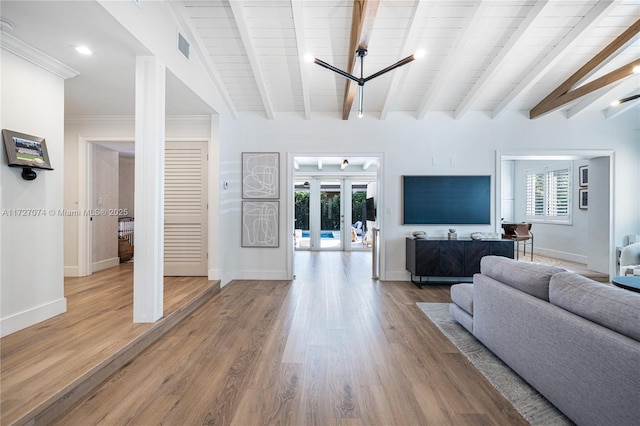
(260, 175)
(583, 198)
(583, 175)
(26, 150)
(260, 223)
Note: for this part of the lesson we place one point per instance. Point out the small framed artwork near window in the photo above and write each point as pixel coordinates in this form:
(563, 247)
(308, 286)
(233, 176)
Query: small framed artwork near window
(583, 198)
(583, 176)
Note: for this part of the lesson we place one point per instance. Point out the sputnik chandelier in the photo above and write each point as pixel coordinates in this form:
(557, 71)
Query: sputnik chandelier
(361, 53)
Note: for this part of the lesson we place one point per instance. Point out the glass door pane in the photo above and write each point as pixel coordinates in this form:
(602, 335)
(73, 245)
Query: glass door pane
(301, 236)
(358, 213)
(331, 216)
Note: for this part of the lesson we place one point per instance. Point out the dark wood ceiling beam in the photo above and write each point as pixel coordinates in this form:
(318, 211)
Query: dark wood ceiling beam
(362, 19)
(565, 94)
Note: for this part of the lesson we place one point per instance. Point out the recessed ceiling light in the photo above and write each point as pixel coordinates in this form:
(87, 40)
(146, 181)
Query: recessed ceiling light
(83, 50)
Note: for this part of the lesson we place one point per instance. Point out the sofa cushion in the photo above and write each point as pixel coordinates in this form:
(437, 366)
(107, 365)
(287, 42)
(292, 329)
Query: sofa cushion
(462, 295)
(530, 278)
(611, 307)
(461, 316)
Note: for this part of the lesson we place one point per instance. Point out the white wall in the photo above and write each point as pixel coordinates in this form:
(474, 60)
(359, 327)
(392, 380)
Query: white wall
(507, 180)
(230, 168)
(436, 145)
(32, 287)
(104, 204)
(599, 216)
(126, 176)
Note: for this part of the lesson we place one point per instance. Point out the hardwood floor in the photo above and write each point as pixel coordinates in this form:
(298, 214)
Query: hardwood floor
(331, 347)
(46, 367)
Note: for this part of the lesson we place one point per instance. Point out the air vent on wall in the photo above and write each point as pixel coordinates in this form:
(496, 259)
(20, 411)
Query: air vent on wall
(183, 45)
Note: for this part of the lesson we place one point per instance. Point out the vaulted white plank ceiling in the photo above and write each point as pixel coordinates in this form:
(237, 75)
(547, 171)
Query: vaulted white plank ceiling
(482, 56)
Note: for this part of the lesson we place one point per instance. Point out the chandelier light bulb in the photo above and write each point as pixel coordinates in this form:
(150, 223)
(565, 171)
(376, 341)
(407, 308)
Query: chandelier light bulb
(83, 50)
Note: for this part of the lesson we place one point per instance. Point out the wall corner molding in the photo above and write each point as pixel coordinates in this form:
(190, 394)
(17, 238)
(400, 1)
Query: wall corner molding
(36, 57)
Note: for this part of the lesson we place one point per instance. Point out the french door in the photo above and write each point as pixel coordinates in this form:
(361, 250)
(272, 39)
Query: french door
(327, 212)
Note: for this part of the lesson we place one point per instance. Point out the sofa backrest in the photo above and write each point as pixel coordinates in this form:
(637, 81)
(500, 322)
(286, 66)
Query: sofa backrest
(530, 278)
(611, 307)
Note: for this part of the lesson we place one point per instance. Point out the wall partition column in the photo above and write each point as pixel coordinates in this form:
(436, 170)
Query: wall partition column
(149, 190)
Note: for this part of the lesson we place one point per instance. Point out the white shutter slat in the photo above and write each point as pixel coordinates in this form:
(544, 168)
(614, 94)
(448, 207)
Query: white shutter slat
(548, 194)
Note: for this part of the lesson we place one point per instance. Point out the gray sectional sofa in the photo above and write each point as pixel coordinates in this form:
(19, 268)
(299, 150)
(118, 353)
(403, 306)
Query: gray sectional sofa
(575, 340)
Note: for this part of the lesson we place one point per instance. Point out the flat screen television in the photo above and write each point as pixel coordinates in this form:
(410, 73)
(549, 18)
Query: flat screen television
(446, 200)
(371, 209)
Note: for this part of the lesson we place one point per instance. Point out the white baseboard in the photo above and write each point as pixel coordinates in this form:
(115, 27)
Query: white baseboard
(213, 274)
(571, 257)
(105, 264)
(71, 271)
(397, 276)
(32, 316)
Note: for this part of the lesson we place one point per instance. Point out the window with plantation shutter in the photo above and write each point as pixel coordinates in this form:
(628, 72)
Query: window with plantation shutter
(549, 194)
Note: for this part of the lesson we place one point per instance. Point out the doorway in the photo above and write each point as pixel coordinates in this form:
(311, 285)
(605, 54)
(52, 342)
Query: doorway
(186, 205)
(590, 228)
(330, 202)
(362, 178)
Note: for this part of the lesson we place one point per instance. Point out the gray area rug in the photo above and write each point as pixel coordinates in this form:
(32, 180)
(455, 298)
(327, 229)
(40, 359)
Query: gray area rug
(526, 400)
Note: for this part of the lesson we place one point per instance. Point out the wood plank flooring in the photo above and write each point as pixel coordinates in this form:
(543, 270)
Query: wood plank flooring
(331, 347)
(49, 364)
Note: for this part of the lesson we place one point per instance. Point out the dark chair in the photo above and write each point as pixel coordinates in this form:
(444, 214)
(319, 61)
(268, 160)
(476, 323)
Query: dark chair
(519, 232)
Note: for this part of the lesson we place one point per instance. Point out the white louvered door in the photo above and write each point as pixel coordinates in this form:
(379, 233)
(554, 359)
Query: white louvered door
(185, 209)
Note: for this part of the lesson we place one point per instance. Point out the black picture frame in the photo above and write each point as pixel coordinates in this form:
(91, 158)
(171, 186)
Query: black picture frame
(583, 176)
(26, 151)
(583, 198)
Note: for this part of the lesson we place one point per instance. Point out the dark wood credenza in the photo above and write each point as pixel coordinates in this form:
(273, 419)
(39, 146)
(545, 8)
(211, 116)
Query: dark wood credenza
(441, 259)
